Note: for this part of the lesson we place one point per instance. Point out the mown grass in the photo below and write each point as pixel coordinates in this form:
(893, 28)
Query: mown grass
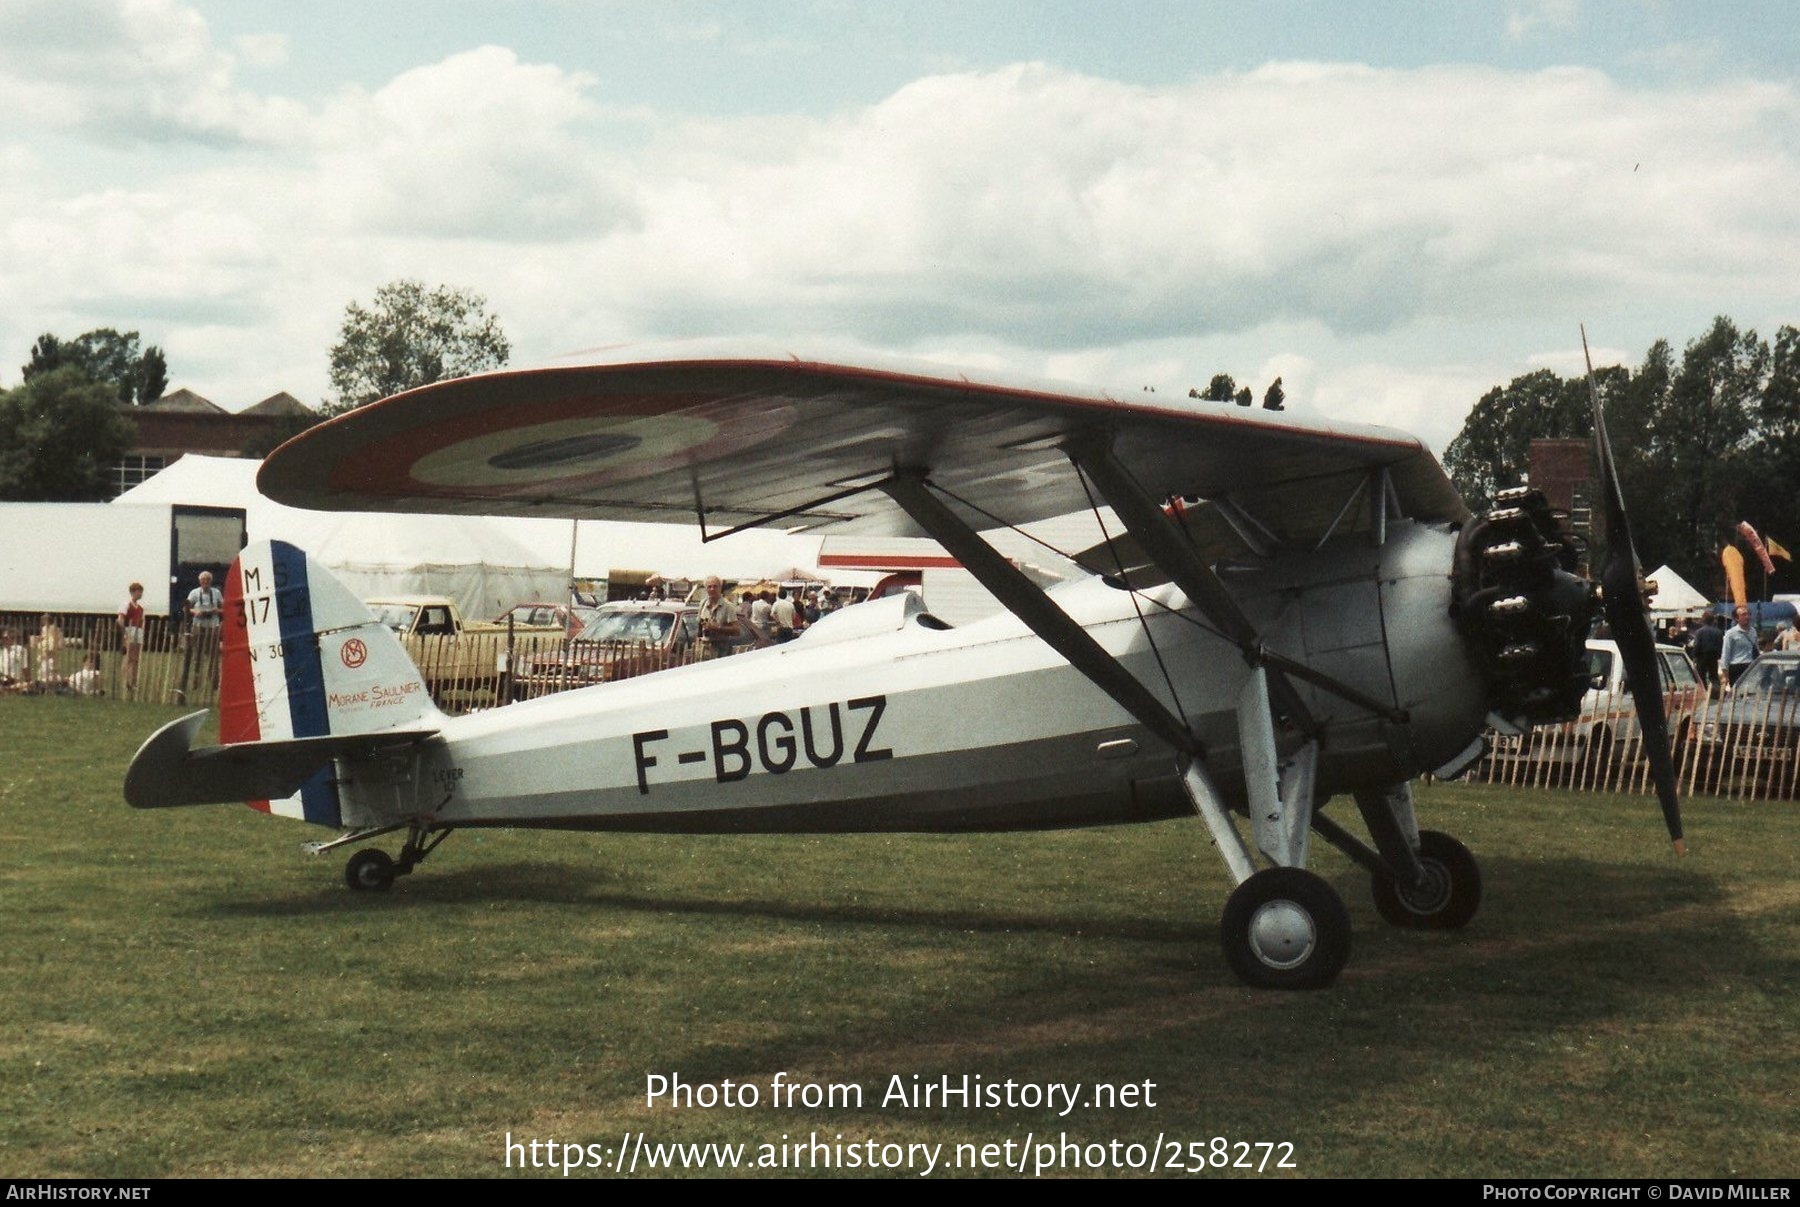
(185, 994)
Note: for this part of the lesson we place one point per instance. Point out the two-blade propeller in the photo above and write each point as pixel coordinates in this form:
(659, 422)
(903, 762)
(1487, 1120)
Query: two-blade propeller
(1629, 619)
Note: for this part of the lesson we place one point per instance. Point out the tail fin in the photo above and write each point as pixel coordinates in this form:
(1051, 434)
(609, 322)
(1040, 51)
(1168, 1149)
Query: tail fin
(302, 658)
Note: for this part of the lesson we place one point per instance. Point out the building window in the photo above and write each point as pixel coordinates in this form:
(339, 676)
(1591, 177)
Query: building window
(130, 471)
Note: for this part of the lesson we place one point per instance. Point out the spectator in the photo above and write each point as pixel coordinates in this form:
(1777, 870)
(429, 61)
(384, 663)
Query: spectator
(15, 662)
(86, 681)
(131, 635)
(720, 625)
(762, 617)
(1707, 643)
(205, 607)
(786, 617)
(49, 642)
(1739, 647)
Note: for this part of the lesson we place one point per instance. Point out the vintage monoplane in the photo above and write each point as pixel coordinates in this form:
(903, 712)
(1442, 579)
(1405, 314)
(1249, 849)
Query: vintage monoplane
(1289, 610)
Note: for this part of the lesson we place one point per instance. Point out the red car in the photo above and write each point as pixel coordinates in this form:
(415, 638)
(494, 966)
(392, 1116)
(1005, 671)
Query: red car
(615, 641)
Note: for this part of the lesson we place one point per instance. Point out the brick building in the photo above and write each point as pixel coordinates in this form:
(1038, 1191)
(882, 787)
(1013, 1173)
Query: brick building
(183, 422)
(1563, 469)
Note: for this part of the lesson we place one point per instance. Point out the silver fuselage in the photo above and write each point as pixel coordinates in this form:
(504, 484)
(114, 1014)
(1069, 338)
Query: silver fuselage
(878, 719)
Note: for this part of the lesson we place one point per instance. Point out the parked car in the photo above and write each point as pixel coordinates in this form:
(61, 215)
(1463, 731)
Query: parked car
(546, 617)
(456, 659)
(616, 641)
(1607, 727)
(1755, 731)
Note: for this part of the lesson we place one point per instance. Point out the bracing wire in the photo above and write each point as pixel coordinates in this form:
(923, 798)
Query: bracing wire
(1123, 580)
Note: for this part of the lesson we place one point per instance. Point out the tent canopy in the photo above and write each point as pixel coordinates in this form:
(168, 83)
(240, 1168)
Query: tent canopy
(486, 563)
(483, 566)
(1675, 596)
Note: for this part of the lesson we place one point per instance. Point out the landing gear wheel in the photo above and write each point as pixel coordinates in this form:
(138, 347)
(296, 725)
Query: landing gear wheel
(370, 870)
(1284, 928)
(1448, 898)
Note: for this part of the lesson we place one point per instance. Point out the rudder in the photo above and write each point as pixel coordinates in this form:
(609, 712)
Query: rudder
(301, 657)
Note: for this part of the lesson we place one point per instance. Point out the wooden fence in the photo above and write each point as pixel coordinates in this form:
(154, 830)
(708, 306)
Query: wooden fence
(172, 667)
(1749, 750)
(489, 670)
(1744, 749)
(465, 672)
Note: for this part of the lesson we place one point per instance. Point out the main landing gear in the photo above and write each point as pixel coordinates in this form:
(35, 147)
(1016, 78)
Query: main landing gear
(1284, 927)
(372, 870)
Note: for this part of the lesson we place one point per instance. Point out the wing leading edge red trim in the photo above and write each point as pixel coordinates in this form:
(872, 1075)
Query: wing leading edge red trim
(744, 438)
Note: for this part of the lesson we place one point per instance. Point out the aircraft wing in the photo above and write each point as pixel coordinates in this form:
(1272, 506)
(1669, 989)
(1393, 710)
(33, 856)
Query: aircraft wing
(791, 443)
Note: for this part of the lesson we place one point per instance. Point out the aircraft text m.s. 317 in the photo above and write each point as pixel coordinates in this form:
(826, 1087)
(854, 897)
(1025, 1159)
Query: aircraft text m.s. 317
(1290, 610)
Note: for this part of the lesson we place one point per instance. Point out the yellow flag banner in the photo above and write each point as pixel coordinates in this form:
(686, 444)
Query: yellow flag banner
(1733, 562)
(1775, 549)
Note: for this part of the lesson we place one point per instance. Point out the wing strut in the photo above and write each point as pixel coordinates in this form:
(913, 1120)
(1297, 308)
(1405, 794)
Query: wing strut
(1026, 600)
(1162, 539)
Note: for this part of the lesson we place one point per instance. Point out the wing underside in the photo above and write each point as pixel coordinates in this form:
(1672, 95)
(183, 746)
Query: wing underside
(798, 444)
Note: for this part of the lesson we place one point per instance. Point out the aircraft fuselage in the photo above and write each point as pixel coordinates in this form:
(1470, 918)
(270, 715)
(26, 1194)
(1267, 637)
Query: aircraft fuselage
(878, 718)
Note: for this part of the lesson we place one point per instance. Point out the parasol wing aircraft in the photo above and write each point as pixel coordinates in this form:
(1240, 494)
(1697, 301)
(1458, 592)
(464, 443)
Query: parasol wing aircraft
(1284, 611)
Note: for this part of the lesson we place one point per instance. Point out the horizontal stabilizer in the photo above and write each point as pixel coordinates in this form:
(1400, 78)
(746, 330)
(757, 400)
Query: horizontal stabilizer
(167, 770)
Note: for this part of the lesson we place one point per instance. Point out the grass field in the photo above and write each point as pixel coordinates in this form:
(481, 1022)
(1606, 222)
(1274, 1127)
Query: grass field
(185, 994)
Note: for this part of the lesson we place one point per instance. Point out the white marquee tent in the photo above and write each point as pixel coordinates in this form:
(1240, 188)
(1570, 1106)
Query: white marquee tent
(1675, 596)
(486, 564)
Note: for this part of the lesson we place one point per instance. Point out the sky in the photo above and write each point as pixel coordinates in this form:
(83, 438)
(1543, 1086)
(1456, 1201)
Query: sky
(1392, 206)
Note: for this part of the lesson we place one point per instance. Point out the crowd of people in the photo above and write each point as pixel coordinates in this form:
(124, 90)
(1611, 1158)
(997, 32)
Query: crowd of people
(758, 618)
(40, 664)
(1722, 651)
(34, 665)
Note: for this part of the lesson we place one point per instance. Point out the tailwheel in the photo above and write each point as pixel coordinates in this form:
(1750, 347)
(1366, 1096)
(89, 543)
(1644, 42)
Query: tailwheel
(1285, 928)
(370, 870)
(1446, 898)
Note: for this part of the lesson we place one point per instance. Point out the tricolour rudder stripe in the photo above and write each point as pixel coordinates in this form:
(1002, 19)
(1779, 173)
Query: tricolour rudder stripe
(240, 714)
(303, 658)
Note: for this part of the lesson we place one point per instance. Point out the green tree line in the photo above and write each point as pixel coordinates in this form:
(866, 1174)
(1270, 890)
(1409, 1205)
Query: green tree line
(1701, 442)
(64, 429)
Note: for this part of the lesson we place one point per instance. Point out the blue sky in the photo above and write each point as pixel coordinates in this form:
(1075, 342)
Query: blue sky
(1392, 206)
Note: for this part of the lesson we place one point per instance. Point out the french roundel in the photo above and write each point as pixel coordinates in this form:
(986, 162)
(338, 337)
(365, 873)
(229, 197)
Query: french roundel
(561, 445)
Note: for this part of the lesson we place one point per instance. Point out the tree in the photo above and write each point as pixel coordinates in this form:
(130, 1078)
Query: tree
(136, 376)
(1274, 396)
(61, 433)
(1243, 397)
(1220, 389)
(411, 336)
(152, 375)
(1492, 450)
(1700, 444)
(1704, 436)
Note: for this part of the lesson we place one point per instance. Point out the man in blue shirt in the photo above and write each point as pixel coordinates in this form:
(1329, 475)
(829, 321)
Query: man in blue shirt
(1740, 647)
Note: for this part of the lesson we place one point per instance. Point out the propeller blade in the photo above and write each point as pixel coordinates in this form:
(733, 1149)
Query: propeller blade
(1629, 619)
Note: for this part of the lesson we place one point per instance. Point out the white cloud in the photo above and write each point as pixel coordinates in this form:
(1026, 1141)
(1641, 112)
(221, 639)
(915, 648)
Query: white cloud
(262, 50)
(476, 146)
(1041, 205)
(128, 69)
(1524, 17)
(1305, 220)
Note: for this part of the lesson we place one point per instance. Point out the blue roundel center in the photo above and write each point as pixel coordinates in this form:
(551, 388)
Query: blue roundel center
(563, 450)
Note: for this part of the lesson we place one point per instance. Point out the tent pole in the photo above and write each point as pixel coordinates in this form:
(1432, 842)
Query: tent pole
(574, 533)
